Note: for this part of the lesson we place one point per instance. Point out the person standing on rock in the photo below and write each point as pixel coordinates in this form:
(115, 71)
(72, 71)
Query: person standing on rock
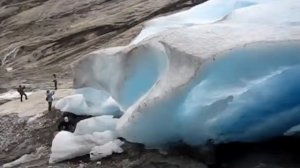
(22, 92)
(49, 99)
(55, 81)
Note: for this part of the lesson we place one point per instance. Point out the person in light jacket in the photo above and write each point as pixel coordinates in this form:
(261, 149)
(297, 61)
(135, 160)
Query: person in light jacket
(49, 99)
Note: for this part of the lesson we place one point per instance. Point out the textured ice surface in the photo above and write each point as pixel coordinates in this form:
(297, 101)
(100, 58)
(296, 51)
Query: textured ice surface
(99, 152)
(223, 70)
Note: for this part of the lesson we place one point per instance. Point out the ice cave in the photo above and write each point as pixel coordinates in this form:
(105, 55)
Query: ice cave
(222, 70)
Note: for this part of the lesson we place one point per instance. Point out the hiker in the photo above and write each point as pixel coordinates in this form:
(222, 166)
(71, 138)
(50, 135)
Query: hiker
(49, 99)
(22, 92)
(55, 81)
(66, 125)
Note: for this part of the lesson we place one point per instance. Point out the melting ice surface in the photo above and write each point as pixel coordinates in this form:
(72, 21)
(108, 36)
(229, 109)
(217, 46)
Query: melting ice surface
(234, 77)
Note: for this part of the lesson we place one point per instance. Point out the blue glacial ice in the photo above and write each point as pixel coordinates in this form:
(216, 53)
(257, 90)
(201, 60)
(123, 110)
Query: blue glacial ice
(240, 96)
(222, 70)
(247, 95)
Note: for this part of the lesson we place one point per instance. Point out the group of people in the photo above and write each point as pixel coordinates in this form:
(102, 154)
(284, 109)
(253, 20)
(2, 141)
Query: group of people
(69, 120)
(49, 94)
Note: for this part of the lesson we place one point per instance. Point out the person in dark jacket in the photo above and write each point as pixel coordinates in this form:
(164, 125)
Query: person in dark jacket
(66, 125)
(49, 99)
(22, 92)
(55, 81)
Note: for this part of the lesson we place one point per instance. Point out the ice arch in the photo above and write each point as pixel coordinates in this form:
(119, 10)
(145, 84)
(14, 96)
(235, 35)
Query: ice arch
(119, 72)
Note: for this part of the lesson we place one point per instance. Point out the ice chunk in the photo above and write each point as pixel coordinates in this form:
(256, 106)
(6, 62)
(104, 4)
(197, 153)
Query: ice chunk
(99, 152)
(99, 102)
(75, 103)
(67, 145)
(96, 124)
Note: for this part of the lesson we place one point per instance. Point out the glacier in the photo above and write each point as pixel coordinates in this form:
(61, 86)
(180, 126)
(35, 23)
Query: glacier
(222, 70)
